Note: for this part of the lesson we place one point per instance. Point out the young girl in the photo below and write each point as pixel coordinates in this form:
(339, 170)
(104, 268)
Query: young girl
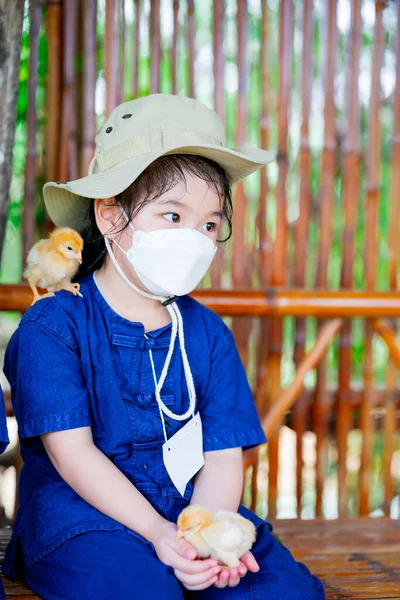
(102, 383)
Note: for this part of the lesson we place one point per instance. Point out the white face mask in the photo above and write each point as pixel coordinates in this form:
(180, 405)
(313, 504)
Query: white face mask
(169, 262)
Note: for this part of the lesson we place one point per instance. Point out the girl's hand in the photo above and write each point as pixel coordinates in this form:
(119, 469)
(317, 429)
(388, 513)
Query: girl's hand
(181, 556)
(231, 577)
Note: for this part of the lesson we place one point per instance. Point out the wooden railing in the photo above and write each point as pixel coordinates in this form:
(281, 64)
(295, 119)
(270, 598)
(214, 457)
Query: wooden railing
(335, 307)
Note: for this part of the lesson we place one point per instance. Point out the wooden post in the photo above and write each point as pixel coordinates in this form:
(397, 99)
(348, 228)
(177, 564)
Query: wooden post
(11, 17)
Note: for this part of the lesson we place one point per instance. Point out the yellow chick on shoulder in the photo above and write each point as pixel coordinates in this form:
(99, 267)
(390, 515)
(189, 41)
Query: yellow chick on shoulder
(221, 534)
(53, 262)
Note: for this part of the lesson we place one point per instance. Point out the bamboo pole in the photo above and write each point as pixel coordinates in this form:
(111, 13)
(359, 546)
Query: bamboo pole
(259, 303)
(279, 255)
(239, 266)
(325, 205)
(191, 47)
(301, 235)
(155, 46)
(121, 31)
(351, 192)
(11, 19)
(138, 5)
(264, 241)
(28, 206)
(219, 104)
(274, 417)
(110, 58)
(69, 148)
(385, 330)
(174, 47)
(89, 84)
(54, 37)
(370, 253)
(389, 421)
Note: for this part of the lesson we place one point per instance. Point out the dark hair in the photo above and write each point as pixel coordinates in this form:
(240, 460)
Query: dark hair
(159, 177)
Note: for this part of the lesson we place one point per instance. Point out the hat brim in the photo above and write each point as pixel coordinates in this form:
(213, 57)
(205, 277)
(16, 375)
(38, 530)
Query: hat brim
(67, 203)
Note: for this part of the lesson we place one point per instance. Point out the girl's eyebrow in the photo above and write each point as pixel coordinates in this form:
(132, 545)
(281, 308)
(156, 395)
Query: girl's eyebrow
(173, 202)
(216, 213)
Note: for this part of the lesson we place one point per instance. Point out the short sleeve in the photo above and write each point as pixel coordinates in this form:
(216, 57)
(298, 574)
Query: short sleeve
(4, 439)
(228, 413)
(48, 390)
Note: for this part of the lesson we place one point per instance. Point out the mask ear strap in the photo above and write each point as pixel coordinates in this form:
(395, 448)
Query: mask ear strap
(126, 218)
(122, 250)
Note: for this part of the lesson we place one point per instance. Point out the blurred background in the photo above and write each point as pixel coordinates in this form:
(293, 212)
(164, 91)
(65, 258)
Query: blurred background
(317, 82)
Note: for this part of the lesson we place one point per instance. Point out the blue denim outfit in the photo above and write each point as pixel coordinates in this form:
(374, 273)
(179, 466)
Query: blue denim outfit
(74, 362)
(4, 441)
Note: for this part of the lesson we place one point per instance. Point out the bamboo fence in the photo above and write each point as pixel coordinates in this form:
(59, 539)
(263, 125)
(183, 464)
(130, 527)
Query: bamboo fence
(277, 266)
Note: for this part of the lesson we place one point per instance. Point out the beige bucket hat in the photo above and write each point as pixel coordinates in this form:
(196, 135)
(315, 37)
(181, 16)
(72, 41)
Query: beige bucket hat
(135, 135)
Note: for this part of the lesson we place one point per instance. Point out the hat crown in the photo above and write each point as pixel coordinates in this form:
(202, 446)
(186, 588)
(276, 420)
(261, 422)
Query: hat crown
(149, 115)
(137, 133)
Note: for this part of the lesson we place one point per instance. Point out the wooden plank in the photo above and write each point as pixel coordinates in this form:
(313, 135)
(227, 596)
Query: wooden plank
(355, 558)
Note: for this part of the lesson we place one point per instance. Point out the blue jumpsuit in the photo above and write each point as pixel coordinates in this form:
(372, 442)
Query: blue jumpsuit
(75, 362)
(4, 441)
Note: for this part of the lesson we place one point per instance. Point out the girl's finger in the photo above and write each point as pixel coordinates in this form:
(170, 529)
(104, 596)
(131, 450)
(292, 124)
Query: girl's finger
(192, 566)
(203, 586)
(233, 578)
(197, 578)
(250, 562)
(242, 570)
(185, 549)
(222, 579)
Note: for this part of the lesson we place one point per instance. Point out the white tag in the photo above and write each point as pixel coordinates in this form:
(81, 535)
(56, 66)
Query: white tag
(183, 453)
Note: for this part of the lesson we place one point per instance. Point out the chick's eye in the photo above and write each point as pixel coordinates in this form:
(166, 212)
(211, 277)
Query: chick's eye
(69, 248)
(173, 217)
(210, 226)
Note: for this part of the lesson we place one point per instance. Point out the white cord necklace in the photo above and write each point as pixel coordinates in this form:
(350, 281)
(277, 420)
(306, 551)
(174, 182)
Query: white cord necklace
(177, 329)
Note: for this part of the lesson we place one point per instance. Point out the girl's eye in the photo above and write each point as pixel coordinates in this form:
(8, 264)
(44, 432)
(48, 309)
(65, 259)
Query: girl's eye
(173, 217)
(209, 226)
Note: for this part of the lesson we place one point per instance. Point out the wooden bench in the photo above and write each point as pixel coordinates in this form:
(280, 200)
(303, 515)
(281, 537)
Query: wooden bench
(354, 558)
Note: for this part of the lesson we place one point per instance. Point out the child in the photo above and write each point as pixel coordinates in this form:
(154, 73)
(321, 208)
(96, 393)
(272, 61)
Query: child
(100, 387)
(4, 441)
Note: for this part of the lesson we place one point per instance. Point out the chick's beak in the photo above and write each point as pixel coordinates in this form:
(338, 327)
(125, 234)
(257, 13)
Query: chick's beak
(79, 257)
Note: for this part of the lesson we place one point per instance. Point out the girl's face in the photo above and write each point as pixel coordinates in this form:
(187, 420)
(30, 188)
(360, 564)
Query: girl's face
(194, 206)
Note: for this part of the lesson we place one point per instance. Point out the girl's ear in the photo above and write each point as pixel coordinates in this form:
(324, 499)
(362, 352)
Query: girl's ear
(108, 215)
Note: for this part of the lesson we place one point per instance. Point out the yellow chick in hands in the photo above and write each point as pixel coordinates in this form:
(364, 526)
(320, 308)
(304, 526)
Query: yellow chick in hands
(221, 534)
(53, 262)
